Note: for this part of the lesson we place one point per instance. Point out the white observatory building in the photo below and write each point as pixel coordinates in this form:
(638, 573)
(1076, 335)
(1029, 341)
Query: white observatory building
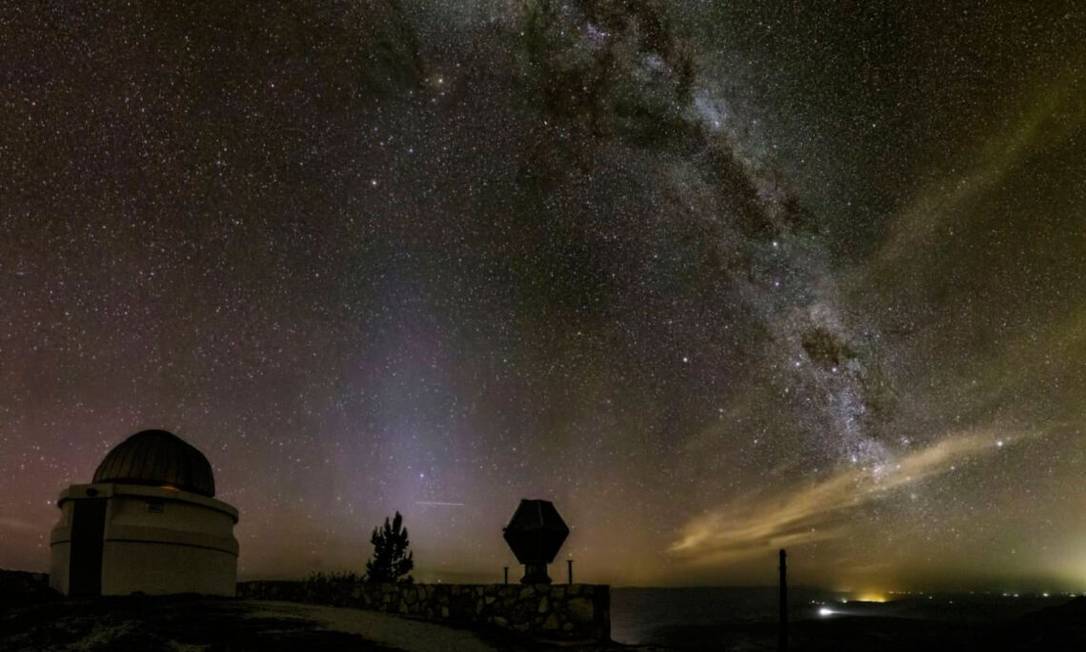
(148, 523)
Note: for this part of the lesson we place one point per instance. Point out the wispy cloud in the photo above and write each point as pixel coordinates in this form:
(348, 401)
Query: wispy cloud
(814, 512)
(16, 525)
(1053, 114)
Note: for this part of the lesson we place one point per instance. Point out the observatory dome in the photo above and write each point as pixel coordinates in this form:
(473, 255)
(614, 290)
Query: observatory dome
(158, 458)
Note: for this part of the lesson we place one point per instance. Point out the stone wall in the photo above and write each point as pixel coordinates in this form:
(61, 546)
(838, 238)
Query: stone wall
(559, 611)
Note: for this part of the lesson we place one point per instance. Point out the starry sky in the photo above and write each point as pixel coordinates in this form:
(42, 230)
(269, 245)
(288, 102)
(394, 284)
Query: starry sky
(715, 277)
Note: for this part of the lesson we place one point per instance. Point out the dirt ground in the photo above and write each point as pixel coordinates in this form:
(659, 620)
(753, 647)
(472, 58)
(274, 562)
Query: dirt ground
(180, 624)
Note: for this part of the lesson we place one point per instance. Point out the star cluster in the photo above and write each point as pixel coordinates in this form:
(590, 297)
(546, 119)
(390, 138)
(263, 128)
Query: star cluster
(715, 278)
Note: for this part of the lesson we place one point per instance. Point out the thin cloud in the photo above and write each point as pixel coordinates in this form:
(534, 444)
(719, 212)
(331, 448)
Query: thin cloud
(814, 512)
(16, 525)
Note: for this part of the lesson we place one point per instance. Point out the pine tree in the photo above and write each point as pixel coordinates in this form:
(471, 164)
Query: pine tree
(391, 561)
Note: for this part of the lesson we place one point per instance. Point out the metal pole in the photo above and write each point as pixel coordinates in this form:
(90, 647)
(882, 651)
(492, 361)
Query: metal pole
(506, 569)
(782, 641)
(569, 564)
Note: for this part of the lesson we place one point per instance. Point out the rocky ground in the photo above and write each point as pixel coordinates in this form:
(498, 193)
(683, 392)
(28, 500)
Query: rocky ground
(177, 623)
(22, 588)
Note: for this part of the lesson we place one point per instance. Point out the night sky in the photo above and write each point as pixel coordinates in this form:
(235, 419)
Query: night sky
(715, 277)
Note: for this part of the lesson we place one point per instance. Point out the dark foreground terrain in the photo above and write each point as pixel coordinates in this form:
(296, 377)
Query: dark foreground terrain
(34, 619)
(140, 624)
(192, 624)
(927, 625)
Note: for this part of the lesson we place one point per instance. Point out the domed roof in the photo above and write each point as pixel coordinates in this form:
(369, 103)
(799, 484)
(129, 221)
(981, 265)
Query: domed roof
(156, 458)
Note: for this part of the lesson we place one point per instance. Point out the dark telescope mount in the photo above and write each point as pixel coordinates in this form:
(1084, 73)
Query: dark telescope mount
(536, 534)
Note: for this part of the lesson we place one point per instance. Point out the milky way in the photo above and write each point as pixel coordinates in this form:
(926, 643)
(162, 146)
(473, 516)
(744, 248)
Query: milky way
(715, 279)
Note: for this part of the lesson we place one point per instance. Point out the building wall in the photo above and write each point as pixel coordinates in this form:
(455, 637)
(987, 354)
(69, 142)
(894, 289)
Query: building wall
(572, 612)
(157, 540)
(161, 569)
(59, 553)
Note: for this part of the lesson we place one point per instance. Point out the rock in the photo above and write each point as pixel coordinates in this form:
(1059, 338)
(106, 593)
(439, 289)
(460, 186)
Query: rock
(544, 606)
(581, 610)
(501, 622)
(527, 592)
(551, 624)
(490, 599)
(444, 612)
(568, 627)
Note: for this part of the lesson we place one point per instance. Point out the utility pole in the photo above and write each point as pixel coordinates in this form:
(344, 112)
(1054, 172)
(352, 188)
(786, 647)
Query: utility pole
(506, 569)
(569, 568)
(782, 641)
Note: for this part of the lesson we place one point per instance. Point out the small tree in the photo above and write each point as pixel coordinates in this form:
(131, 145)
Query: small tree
(391, 561)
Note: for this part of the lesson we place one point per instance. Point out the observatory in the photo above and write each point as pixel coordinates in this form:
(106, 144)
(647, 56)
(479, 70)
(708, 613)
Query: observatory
(147, 523)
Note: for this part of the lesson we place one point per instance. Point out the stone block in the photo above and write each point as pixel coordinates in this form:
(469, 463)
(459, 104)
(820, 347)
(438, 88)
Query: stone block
(581, 610)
